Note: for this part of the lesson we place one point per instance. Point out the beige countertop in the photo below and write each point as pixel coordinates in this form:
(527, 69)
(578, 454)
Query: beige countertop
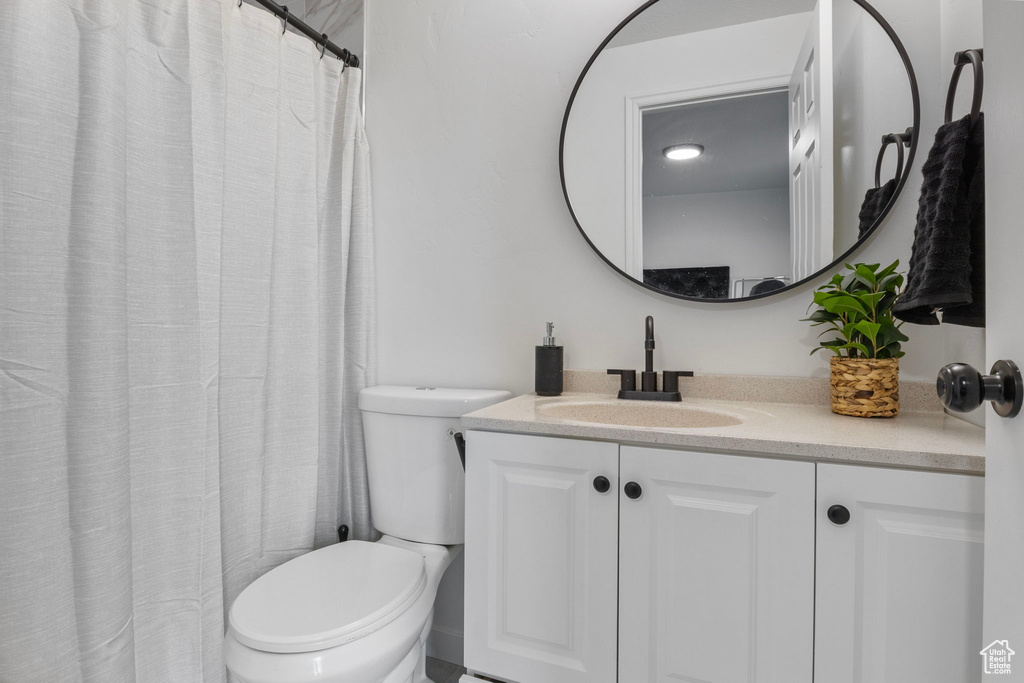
(927, 439)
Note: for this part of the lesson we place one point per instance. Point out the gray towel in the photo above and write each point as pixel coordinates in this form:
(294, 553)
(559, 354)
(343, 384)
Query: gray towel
(947, 262)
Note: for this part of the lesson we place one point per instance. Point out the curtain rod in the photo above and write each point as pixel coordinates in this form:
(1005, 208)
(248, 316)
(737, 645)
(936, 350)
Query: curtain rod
(321, 39)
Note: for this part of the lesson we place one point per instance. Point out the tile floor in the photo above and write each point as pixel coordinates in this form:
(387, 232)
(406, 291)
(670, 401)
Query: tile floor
(443, 672)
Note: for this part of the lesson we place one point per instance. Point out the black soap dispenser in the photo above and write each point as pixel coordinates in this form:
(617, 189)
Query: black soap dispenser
(548, 374)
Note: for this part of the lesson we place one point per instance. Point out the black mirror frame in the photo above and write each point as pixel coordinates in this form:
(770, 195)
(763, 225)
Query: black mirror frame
(915, 95)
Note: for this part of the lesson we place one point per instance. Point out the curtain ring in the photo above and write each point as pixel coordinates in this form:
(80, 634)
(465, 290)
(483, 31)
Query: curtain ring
(285, 18)
(239, 4)
(323, 45)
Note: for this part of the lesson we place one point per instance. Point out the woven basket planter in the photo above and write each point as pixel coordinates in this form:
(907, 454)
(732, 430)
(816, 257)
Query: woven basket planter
(865, 387)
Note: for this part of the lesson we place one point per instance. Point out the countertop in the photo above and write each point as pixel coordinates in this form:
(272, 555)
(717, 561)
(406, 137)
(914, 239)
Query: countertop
(923, 440)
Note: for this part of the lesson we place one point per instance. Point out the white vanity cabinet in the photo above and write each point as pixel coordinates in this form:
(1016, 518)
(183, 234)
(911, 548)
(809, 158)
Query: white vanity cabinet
(706, 576)
(716, 568)
(694, 566)
(899, 585)
(541, 556)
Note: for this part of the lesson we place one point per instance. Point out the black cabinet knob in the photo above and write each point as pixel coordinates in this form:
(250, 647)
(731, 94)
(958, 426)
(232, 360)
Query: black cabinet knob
(962, 388)
(601, 484)
(633, 490)
(838, 514)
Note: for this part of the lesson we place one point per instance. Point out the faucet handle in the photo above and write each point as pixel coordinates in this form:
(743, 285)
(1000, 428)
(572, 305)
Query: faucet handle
(670, 379)
(628, 378)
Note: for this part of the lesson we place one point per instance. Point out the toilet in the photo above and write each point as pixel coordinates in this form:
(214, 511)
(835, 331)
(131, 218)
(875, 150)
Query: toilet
(360, 612)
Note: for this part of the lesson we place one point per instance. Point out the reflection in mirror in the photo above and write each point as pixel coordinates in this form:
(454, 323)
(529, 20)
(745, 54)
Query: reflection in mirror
(722, 149)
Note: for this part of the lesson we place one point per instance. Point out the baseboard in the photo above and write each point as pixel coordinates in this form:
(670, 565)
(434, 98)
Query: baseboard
(446, 645)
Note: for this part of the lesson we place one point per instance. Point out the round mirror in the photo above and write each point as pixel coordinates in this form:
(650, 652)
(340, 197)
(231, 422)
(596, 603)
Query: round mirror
(724, 150)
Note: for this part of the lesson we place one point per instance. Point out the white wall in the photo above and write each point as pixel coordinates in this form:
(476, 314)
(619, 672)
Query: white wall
(476, 249)
(475, 246)
(747, 230)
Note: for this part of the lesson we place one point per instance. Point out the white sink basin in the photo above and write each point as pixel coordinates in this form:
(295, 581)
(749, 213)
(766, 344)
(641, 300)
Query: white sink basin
(639, 414)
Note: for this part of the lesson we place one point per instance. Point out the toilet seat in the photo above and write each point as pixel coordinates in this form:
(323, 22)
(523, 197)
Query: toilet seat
(328, 597)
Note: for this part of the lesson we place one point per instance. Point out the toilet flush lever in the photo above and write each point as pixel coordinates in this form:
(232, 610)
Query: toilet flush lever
(460, 444)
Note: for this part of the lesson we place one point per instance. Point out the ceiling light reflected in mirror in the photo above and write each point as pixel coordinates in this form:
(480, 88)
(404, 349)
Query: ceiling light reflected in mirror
(683, 152)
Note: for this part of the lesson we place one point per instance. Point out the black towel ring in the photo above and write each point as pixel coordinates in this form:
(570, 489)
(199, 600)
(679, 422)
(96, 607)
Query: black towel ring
(901, 140)
(975, 58)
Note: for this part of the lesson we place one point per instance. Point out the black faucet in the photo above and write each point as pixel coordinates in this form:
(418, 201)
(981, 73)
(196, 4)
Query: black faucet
(649, 378)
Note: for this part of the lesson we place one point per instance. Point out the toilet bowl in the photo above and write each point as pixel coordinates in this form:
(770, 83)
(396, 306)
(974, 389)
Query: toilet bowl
(359, 612)
(339, 616)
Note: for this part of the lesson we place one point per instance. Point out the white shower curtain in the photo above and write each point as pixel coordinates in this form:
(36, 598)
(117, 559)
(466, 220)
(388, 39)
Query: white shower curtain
(186, 318)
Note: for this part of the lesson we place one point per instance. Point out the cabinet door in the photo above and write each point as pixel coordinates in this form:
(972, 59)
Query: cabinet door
(716, 568)
(899, 586)
(540, 558)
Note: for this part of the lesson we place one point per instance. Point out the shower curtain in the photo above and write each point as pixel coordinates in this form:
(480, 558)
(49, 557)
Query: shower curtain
(186, 318)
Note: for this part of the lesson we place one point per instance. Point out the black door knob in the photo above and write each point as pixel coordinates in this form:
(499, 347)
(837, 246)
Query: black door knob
(962, 388)
(601, 484)
(633, 490)
(838, 514)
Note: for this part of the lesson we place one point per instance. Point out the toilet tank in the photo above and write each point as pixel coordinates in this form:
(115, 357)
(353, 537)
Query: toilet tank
(417, 483)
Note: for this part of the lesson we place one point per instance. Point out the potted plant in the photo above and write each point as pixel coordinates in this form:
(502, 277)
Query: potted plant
(857, 310)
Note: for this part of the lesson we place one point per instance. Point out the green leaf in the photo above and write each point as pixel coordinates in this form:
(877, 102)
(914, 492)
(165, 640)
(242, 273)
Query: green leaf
(890, 282)
(844, 304)
(860, 347)
(870, 300)
(850, 282)
(869, 330)
(891, 268)
(884, 307)
(866, 274)
(886, 334)
(821, 297)
(832, 346)
(820, 316)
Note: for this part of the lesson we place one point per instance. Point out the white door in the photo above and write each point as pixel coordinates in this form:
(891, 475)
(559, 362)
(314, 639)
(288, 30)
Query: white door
(899, 585)
(811, 213)
(540, 558)
(1004, 439)
(716, 561)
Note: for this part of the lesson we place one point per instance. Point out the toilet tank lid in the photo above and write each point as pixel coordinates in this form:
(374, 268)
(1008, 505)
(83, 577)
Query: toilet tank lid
(428, 401)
